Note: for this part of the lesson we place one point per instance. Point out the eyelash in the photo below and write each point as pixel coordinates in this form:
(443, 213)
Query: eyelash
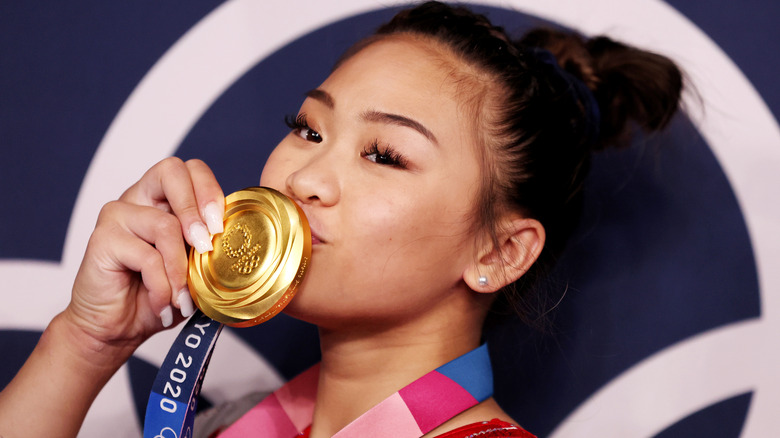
(384, 155)
(300, 124)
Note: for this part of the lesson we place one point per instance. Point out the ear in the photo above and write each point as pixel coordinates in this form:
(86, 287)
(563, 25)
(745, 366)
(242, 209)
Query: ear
(520, 241)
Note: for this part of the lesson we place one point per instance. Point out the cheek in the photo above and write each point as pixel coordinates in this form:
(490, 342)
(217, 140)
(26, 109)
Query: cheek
(380, 216)
(377, 218)
(411, 234)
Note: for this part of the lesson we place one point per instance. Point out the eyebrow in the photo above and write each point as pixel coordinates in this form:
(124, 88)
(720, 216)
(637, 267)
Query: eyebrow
(376, 116)
(395, 119)
(322, 96)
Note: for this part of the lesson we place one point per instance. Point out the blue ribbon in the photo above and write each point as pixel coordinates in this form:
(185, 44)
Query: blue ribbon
(170, 411)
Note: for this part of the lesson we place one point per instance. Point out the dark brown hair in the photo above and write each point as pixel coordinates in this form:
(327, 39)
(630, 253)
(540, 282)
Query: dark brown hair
(540, 119)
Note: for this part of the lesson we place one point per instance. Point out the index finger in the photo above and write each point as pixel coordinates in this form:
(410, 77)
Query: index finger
(190, 191)
(211, 199)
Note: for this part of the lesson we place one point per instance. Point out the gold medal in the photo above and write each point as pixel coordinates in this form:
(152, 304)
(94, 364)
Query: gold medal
(257, 263)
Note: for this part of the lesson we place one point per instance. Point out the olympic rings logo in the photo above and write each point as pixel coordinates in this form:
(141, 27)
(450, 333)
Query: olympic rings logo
(163, 435)
(245, 253)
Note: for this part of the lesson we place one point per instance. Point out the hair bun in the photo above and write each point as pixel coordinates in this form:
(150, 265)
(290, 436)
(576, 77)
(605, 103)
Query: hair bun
(633, 87)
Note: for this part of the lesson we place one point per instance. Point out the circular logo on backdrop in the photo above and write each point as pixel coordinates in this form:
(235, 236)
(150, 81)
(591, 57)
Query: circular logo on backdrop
(662, 273)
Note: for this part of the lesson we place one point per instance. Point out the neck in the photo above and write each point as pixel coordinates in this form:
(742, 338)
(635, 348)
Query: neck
(361, 369)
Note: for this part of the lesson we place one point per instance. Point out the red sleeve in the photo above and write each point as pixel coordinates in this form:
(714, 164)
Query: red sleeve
(484, 429)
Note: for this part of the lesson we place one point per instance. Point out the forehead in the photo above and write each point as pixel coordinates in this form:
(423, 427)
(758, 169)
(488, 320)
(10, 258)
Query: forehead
(412, 73)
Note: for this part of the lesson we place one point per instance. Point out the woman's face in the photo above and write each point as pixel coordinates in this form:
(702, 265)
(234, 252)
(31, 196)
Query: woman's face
(382, 160)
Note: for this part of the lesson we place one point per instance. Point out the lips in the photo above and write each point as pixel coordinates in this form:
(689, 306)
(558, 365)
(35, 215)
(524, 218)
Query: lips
(314, 226)
(316, 237)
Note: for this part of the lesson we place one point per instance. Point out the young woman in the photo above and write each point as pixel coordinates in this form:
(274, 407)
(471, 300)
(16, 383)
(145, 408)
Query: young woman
(440, 167)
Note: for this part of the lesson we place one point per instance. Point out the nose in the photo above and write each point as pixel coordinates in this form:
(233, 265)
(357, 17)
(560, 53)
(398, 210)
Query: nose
(315, 182)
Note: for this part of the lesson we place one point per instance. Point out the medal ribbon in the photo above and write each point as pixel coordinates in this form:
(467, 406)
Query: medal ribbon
(413, 411)
(170, 411)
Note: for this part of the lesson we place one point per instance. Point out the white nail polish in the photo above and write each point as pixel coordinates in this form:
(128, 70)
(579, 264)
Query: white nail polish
(186, 305)
(214, 216)
(200, 238)
(166, 316)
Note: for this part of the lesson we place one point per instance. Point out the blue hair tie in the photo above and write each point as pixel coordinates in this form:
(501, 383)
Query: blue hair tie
(580, 92)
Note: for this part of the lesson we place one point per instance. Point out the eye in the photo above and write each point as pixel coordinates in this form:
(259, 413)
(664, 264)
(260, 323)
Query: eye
(301, 127)
(384, 155)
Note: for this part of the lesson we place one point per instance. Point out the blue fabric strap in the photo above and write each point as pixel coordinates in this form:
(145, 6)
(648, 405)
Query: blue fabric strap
(170, 411)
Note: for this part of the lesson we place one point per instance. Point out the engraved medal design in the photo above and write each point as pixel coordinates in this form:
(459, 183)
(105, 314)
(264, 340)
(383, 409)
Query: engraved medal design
(257, 263)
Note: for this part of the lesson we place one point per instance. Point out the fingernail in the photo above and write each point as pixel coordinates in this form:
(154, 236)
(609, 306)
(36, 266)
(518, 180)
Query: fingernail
(213, 215)
(200, 238)
(186, 305)
(166, 316)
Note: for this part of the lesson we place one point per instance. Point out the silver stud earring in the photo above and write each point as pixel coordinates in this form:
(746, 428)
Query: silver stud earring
(482, 280)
